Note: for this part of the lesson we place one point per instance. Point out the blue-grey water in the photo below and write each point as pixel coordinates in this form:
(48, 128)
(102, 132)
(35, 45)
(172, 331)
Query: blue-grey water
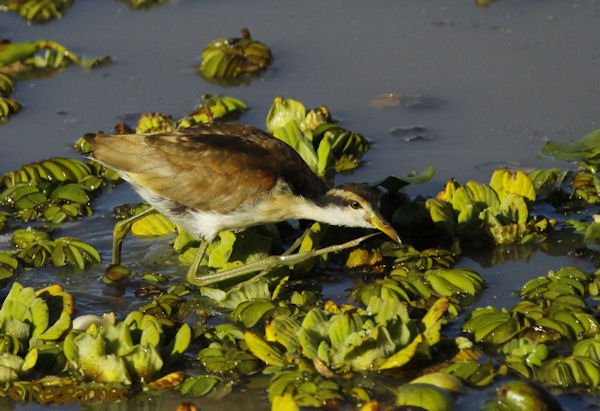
(487, 85)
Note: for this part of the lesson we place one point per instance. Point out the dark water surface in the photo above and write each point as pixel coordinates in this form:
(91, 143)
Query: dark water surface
(488, 85)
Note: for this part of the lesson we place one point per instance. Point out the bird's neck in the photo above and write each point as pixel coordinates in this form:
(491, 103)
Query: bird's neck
(326, 213)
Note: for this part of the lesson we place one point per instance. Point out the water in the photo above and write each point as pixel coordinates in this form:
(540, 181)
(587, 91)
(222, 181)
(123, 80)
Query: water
(488, 85)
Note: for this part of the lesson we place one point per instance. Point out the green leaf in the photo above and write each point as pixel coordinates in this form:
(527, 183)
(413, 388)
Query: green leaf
(30, 360)
(324, 155)
(315, 329)
(442, 214)
(235, 296)
(284, 402)
(234, 58)
(473, 372)
(513, 209)
(199, 385)
(182, 339)
(506, 182)
(152, 225)
(220, 250)
(283, 111)
(547, 181)
(145, 360)
(491, 325)
(426, 396)
(474, 197)
(250, 246)
(70, 192)
(567, 372)
(11, 52)
(253, 311)
(284, 330)
(592, 233)
(394, 183)
(586, 149)
(291, 134)
(263, 351)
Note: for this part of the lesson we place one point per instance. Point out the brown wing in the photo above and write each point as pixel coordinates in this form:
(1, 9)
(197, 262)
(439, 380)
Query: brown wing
(219, 167)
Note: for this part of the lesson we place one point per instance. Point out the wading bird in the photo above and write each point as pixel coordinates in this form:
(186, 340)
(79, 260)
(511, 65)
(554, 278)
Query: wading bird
(227, 176)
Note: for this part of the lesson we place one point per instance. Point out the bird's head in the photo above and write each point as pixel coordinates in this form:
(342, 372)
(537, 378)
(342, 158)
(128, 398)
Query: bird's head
(356, 205)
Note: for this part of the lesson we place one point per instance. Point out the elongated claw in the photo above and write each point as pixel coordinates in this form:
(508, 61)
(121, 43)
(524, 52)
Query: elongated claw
(271, 262)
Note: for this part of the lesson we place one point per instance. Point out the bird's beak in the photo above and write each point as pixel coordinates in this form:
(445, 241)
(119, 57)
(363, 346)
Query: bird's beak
(382, 225)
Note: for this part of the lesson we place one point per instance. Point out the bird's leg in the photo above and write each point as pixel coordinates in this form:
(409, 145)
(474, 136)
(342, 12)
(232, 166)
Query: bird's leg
(191, 273)
(295, 245)
(120, 231)
(274, 261)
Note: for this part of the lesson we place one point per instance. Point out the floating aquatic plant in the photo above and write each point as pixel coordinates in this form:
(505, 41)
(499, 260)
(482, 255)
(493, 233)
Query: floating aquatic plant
(521, 396)
(8, 105)
(234, 58)
(36, 249)
(213, 107)
(41, 57)
(135, 349)
(552, 311)
(54, 190)
(420, 288)
(586, 149)
(17, 58)
(324, 146)
(142, 4)
(38, 11)
(498, 211)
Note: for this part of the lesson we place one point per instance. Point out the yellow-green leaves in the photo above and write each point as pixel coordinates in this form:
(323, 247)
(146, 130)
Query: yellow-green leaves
(522, 396)
(263, 351)
(426, 396)
(323, 145)
(499, 211)
(30, 57)
(492, 325)
(572, 371)
(8, 105)
(36, 249)
(381, 337)
(55, 190)
(429, 337)
(56, 56)
(34, 318)
(525, 356)
(152, 225)
(283, 111)
(448, 282)
(284, 402)
(306, 389)
(228, 59)
(552, 308)
(586, 149)
(200, 385)
(38, 11)
(154, 123)
(416, 288)
(213, 107)
(506, 182)
(75, 253)
(134, 349)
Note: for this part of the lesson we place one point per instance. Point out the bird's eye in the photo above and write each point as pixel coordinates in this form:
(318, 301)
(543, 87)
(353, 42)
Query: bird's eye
(355, 205)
